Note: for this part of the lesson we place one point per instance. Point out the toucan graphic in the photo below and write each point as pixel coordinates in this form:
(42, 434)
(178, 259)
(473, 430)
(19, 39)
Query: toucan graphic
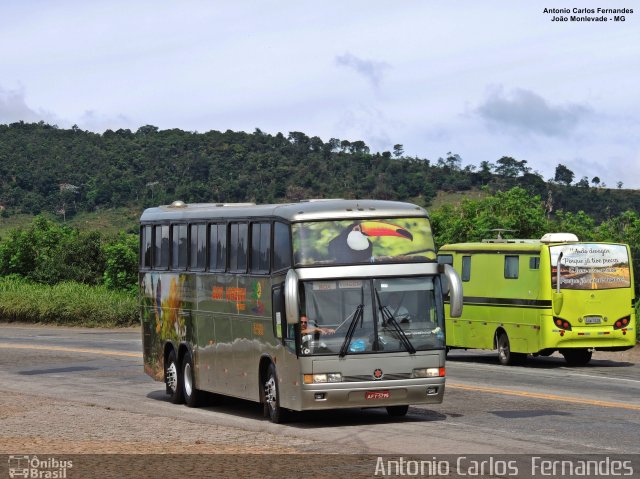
(353, 245)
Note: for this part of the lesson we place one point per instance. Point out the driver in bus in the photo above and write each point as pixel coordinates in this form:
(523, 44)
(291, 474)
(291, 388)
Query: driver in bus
(306, 329)
(397, 309)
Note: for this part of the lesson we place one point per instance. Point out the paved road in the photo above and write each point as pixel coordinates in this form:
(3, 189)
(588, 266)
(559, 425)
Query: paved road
(543, 407)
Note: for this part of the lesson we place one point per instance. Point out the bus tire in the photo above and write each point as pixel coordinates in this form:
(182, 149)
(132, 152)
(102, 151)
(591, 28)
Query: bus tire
(173, 378)
(192, 395)
(577, 357)
(505, 355)
(397, 411)
(276, 413)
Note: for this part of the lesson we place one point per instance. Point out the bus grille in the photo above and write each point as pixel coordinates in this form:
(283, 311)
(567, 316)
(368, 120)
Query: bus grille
(387, 377)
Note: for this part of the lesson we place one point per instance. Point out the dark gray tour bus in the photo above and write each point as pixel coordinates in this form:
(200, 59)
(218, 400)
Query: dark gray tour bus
(313, 305)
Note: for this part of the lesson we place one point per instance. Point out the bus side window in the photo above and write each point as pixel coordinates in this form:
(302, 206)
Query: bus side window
(260, 247)
(534, 262)
(145, 245)
(238, 237)
(161, 247)
(279, 322)
(511, 267)
(179, 247)
(466, 268)
(445, 259)
(281, 246)
(217, 246)
(197, 250)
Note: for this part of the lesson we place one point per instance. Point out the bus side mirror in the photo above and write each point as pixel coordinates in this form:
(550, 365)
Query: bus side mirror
(453, 288)
(292, 308)
(558, 301)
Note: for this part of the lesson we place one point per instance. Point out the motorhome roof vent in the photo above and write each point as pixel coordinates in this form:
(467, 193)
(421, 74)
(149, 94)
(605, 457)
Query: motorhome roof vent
(178, 204)
(559, 238)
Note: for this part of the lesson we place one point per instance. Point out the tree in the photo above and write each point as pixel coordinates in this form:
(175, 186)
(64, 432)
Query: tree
(510, 167)
(484, 173)
(453, 162)
(473, 220)
(595, 181)
(121, 257)
(398, 150)
(583, 183)
(563, 175)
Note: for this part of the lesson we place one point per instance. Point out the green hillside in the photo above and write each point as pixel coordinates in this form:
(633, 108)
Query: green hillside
(106, 179)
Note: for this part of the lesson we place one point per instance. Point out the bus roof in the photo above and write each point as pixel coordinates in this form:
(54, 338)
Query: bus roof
(507, 246)
(303, 211)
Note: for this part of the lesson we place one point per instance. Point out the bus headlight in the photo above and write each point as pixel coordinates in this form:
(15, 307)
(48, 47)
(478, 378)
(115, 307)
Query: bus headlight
(428, 373)
(322, 378)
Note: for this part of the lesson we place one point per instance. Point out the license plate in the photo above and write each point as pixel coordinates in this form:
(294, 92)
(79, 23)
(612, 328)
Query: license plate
(592, 320)
(377, 395)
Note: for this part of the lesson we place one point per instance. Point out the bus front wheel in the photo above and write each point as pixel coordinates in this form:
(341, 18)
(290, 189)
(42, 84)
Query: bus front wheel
(505, 355)
(576, 357)
(173, 378)
(397, 411)
(276, 413)
(192, 395)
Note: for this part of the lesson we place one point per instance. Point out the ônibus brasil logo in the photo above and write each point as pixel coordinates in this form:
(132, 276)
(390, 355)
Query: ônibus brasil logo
(34, 468)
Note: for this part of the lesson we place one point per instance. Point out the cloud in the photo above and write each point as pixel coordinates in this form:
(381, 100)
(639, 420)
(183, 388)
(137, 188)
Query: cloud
(527, 112)
(369, 124)
(371, 70)
(94, 121)
(14, 108)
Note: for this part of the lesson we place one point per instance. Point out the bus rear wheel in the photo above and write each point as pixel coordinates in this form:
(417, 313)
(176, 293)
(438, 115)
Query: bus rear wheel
(577, 357)
(505, 355)
(173, 378)
(192, 396)
(276, 413)
(397, 411)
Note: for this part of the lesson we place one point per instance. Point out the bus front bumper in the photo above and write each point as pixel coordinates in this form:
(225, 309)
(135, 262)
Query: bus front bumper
(372, 394)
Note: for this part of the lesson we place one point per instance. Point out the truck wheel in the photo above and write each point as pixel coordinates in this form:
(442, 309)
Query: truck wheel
(577, 357)
(173, 379)
(505, 356)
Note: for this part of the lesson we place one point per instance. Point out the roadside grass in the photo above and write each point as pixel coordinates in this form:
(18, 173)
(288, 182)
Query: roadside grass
(109, 221)
(71, 304)
(454, 198)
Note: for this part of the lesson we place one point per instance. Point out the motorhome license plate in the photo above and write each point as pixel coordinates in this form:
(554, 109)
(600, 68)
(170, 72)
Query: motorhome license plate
(377, 395)
(592, 319)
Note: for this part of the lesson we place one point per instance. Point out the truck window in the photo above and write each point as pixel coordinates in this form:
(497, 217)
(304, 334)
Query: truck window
(511, 267)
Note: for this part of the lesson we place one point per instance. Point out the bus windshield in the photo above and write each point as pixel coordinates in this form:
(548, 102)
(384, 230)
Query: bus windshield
(590, 266)
(371, 315)
(362, 241)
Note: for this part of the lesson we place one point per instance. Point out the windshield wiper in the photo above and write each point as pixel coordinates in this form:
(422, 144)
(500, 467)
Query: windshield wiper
(358, 314)
(387, 318)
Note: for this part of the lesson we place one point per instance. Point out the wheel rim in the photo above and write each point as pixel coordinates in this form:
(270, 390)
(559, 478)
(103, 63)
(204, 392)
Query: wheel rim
(172, 377)
(502, 348)
(188, 386)
(270, 394)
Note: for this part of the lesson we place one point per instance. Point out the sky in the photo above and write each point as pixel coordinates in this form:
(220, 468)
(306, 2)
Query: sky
(481, 79)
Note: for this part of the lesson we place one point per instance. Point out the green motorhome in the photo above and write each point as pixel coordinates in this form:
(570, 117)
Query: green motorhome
(524, 296)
